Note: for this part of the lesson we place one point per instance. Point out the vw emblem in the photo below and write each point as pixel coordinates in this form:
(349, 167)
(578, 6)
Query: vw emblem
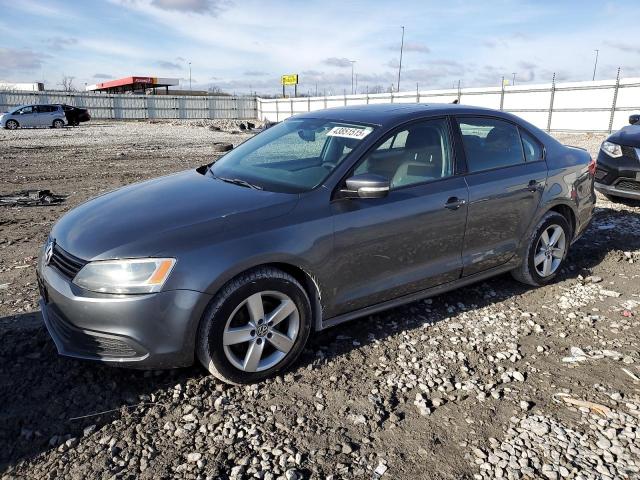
(48, 252)
(262, 330)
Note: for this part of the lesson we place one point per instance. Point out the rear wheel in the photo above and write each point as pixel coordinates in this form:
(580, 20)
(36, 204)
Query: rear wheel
(546, 251)
(256, 326)
(11, 125)
(58, 123)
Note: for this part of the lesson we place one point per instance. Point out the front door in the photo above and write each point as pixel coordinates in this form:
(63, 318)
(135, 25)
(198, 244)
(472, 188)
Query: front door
(410, 240)
(506, 178)
(26, 116)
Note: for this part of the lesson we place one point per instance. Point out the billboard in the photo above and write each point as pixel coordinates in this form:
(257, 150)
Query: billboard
(291, 79)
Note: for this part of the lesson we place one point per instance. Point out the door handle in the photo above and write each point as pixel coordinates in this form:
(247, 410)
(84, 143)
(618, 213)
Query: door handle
(533, 186)
(454, 203)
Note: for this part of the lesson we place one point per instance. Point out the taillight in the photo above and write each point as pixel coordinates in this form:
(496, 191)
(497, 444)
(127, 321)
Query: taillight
(592, 167)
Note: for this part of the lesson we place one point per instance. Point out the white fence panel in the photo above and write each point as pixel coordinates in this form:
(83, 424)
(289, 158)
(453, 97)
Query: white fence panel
(107, 106)
(575, 106)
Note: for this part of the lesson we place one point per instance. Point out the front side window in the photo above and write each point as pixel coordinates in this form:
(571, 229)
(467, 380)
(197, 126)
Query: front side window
(417, 154)
(490, 143)
(293, 156)
(25, 110)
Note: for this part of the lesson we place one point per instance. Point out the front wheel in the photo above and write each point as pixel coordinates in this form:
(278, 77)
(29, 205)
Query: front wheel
(256, 326)
(546, 251)
(11, 125)
(58, 123)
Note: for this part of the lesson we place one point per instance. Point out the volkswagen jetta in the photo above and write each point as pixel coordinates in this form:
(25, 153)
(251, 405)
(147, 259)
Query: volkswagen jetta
(323, 218)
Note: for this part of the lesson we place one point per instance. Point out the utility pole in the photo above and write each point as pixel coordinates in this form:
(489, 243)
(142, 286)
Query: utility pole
(595, 65)
(400, 64)
(514, 79)
(189, 76)
(352, 62)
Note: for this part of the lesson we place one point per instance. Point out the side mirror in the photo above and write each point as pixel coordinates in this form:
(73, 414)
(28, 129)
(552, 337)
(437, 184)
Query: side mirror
(366, 185)
(634, 119)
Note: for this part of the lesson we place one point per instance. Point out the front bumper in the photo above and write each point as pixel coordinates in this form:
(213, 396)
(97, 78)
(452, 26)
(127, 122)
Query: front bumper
(631, 189)
(620, 176)
(145, 331)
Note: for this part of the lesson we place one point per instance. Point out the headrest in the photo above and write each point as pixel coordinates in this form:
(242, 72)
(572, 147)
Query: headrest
(421, 137)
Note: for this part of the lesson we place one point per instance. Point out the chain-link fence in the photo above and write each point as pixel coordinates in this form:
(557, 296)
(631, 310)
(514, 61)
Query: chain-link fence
(120, 107)
(599, 106)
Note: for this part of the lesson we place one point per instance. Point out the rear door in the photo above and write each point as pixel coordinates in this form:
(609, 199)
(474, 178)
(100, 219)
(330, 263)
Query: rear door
(410, 240)
(506, 175)
(44, 115)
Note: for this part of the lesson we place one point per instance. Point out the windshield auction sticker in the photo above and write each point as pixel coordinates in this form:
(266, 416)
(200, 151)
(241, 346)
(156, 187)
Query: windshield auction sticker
(357, 133)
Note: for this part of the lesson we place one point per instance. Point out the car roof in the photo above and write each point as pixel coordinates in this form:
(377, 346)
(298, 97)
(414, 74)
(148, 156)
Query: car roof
(393, 113)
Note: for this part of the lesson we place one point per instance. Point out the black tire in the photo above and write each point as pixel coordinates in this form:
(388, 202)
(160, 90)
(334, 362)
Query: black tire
(527, 272)
(12, 125)
(210, 349)
(57, 123)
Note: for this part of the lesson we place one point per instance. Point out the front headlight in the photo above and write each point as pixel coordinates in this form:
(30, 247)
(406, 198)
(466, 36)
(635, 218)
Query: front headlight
(138, 275)
(612, 149)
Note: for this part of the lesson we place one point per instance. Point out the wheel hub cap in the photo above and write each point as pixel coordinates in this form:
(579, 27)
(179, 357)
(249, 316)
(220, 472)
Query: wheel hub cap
(550, 251)
(261, 331)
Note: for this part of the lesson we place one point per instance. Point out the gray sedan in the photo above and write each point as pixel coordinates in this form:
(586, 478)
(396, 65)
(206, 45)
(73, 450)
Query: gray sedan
(326, 217)
(26, 116)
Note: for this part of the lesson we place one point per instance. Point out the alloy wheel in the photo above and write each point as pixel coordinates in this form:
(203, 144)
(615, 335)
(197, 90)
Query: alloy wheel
(550, 250)
(12, 124)
(261, 331)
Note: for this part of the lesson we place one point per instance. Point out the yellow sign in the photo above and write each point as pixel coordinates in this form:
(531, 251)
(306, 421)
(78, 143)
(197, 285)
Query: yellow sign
(290, 79)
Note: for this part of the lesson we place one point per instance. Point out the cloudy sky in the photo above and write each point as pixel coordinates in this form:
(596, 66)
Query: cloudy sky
(246, 45)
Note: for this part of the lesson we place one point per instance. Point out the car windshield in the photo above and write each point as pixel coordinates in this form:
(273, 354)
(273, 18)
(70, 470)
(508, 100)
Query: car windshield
(294, 156)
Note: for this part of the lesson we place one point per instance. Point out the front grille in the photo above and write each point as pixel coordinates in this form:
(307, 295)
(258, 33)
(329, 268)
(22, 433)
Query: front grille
(85, 343)
(66, 263)
(629, 152)
(628, 185)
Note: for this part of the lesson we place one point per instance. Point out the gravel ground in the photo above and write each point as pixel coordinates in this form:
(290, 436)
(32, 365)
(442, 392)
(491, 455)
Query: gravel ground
(493, 380)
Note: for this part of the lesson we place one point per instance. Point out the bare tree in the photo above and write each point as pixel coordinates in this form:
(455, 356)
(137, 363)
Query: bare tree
(67, 83)
(215, 90)
(376, 89)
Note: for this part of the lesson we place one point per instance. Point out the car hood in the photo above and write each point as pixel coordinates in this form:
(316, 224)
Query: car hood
(155, 216)
(629, 136)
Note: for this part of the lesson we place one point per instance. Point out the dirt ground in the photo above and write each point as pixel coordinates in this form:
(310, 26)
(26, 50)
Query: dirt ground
(483, 382)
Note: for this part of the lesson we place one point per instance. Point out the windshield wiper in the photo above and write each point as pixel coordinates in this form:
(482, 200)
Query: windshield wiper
(238, 181)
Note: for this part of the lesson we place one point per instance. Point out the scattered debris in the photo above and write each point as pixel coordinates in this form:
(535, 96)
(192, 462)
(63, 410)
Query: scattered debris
(221, 147)
(379, 471)
(631, 374)
(594, 407)
(31, 198)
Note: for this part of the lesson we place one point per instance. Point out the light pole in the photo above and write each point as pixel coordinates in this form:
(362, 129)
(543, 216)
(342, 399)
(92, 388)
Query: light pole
(189, 76)
(595, 65)
(400, 64)
(514, 79)
(352, 62)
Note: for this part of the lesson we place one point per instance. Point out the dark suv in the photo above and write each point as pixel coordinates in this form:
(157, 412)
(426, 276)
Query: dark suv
(618, 170)
(325, 217)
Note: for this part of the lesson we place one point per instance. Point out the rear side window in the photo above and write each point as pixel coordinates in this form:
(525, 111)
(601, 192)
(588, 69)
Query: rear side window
(490, 143)
(532, 148)
(46, 108)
